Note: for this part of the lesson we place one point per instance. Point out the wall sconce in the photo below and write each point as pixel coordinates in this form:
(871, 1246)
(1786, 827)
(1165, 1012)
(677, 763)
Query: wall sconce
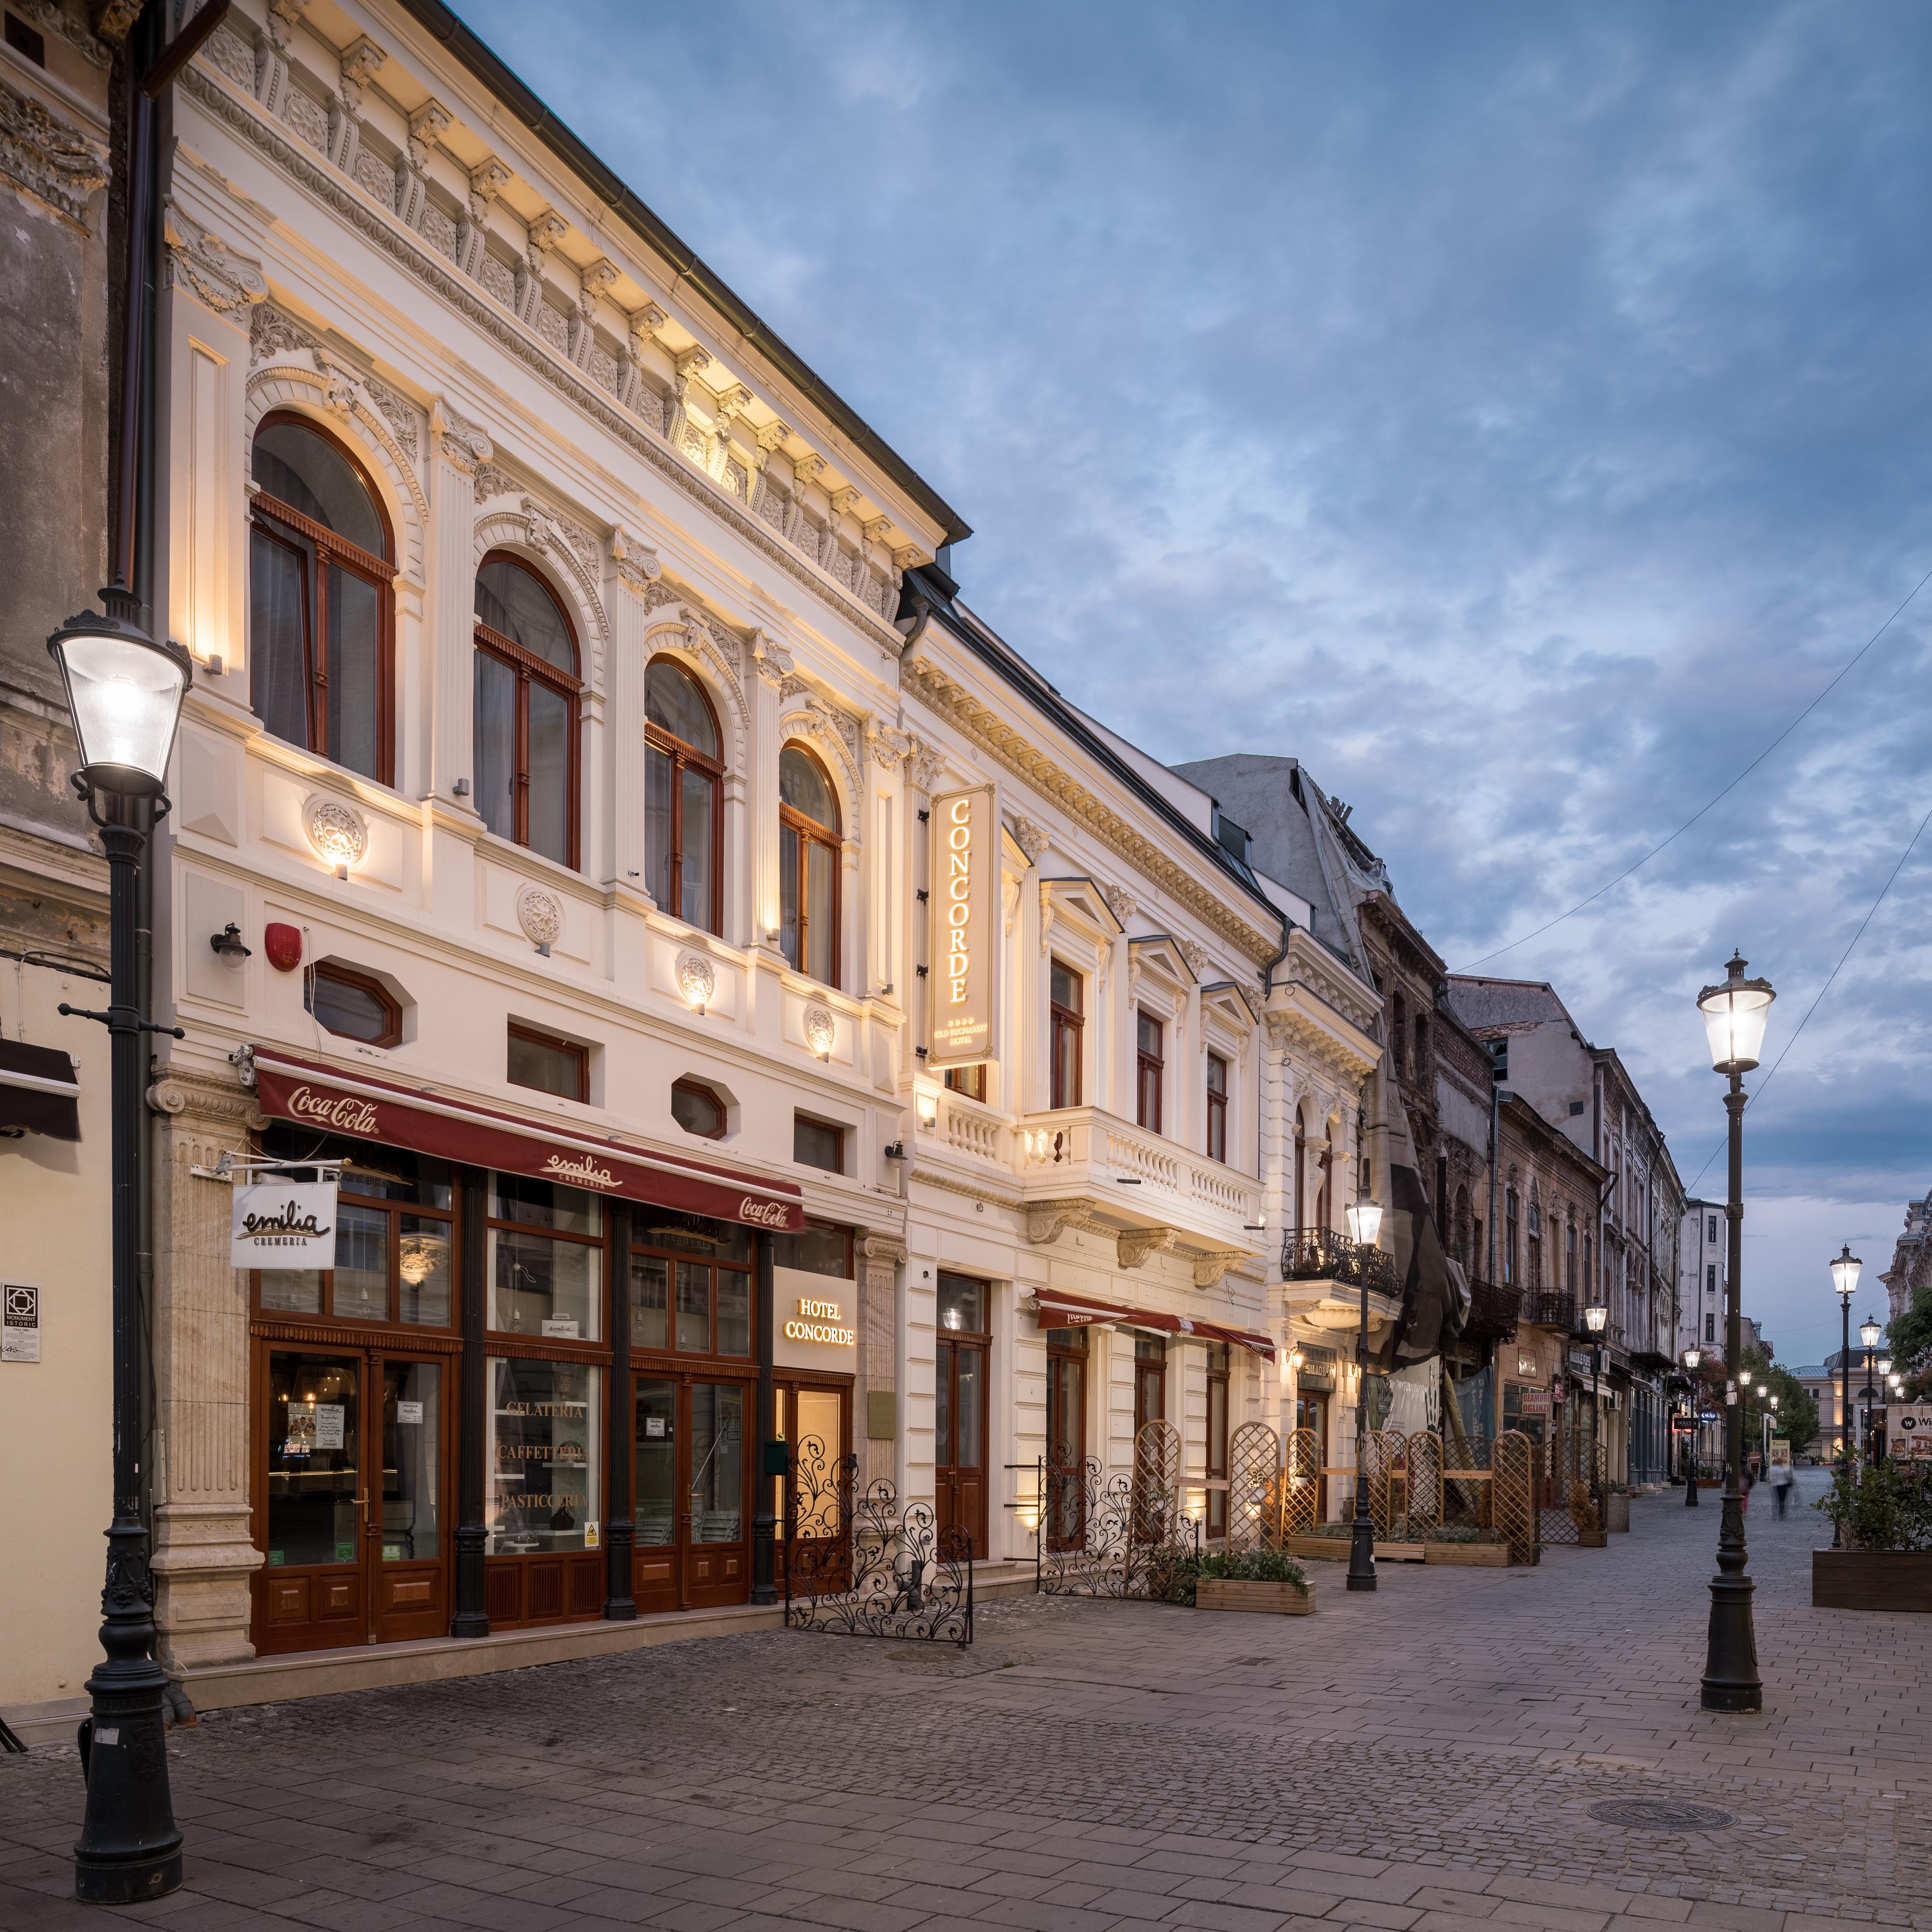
(697, 981)
(819, 1033)
(336, 832)
(228, 942)
(926, 1104)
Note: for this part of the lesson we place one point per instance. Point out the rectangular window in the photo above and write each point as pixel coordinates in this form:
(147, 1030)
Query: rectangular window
(970, 1081)
(545, 1261)
(1217, 1108)
(1710, 1278)
(1710, 1227)
(1710, 1328)
(817, 1144)
(817, 1248)
(544, 1461)
(1509, 1273)
(1067, 1025)
(550, 1065)
(962, 1304)
(696, 1301)
(1147, 1037)
(1217, 1440)
(1569, 1258)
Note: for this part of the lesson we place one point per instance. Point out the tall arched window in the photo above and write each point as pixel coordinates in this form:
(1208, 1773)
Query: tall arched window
(683, 841)
(809, 864)
(527, 693)
(321, 608)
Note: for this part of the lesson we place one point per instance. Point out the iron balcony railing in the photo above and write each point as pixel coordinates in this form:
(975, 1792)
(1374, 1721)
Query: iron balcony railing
(1550, 1309)
(1494, 1312)
(1320, 1254)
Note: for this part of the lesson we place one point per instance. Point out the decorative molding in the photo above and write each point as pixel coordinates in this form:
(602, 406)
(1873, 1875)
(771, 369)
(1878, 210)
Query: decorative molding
(50, 158)
(1196, 955)
(1133, 1246)
(635, 562)
(52, 18)
(883, 1251)
(339, 833)
(361, 61)
(1121, 902)
(223, 279)
(271, 334)
(565, 544)
(113, 19)
(540, 913)
(463, 444)
(400, 415)
(341, 393)
(923, 764)
(1046, 1221)
(1212, 1263)
(886, 744)
(773, 661)
(696, 978)
(1032, 839)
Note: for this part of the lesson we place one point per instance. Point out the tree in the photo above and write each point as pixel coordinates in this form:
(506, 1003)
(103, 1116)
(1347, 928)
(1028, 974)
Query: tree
(1797, 1413)
(1912, 1346)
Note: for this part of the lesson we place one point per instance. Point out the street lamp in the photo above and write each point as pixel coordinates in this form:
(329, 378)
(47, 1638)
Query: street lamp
(1596, 1316)
(1692, 1357)
(1870, 1333)
(1845, 1280)
(124, 692)
(1734, 1013)
(1365, 1223)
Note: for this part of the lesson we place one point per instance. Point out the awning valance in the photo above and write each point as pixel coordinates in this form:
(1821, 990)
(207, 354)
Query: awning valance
(38, 1091)
(1059, 1310)
(369, 1109)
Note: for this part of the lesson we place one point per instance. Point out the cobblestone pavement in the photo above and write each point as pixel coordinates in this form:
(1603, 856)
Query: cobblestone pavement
(1425, 1758)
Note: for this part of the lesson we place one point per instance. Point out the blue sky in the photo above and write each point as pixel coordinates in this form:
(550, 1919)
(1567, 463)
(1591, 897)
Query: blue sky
(1517, 412)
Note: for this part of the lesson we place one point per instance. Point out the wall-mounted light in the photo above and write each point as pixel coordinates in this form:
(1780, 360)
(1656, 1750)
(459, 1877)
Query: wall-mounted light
(696, 980)
(228, 942)
(926, 1104)
(820, 1031)
(336, 832)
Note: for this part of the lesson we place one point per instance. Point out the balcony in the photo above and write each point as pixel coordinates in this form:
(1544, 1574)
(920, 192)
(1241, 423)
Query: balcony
(1323, 1276)
(1548, 1308)
(1494, 1312)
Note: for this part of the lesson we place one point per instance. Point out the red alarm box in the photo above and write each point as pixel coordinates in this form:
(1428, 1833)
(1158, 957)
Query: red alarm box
(283, 944)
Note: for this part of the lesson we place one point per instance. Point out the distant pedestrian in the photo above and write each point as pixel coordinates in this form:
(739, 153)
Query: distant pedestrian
(1782, 1477)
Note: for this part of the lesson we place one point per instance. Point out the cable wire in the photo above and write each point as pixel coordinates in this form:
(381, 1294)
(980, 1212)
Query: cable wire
(1822, 990)
(1721, 796)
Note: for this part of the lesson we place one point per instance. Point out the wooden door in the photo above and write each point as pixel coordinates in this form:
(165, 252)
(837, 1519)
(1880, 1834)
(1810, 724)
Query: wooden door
(1065, 1523)
(691, 1500)
(312, 1502)
(1311, 1412)
(959, 1475)
(408, 1445)
(814, 1510)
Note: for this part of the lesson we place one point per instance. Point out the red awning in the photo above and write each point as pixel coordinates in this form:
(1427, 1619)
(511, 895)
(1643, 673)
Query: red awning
(359, 1104)
(1059, 1310)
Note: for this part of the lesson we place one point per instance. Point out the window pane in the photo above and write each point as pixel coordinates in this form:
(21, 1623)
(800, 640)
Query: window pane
(278, 673)
(815, 1249)
(821, 929)
(550, 772)
(423, 1260)
(815, 1144)
(1150, 1034)
(355, 668)
(656, 1509)
(307, 472)
(734, 1313)
(962, 1303)
(699, 794)
(543, 1287)
(412, 1461)
(512, 601)
(789, 842)
(496, 748)
(543, 1477)
(314, 1460)
(361, 1263)
(697, 1111)
(1217, 1074)
(291, 1290)
(344, 1007)
(694, 1307)
(659, 775)
(650, 1281)
(543, 1203)
(968, 1454)
(673, 702)
(717, 1462)
(942, 1407)
(550, 1069)
(802, 786)
(1065, 987)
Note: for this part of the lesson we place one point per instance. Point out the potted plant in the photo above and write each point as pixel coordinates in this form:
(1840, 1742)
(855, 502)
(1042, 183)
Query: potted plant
(1884, 1515)
(1245, 1579)
(1481, 1548)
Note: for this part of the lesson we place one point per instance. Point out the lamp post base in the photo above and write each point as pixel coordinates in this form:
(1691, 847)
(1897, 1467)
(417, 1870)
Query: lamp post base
(1731, 1682)
(1362, 1555)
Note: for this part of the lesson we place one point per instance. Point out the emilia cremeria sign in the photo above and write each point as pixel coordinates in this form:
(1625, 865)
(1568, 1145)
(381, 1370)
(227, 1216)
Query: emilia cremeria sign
(292, 1089)
(965, 958)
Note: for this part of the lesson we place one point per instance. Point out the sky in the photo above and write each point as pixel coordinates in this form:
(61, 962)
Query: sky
(1517, 412)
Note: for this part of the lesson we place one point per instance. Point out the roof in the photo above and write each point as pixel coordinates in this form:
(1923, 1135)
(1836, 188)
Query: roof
(1481, 1002)
(462, 45)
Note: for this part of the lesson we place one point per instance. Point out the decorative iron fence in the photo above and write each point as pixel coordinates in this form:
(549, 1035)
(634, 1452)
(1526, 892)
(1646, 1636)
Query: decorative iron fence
(857, 1564)
(1113, 1536)
(1320, 1254)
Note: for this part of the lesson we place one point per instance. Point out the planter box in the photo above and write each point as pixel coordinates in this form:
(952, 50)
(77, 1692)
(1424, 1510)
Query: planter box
(1592, 1539)
(1335, 1548)
(1871, 1580)
(1619, 1510)
(1475, 1556)
(1223, 1593)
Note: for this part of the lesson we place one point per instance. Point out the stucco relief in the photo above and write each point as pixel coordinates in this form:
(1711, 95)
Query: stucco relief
(48, 157)
(226, 280)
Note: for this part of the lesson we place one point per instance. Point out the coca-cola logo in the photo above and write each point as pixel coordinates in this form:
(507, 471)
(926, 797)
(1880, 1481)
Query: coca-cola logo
(584, 1170)
(334, 1110)
(763, 1213)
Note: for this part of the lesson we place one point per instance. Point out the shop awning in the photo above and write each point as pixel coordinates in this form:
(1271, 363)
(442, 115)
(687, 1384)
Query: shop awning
(368, 1108)
(38, 1091)
(1059, 1310)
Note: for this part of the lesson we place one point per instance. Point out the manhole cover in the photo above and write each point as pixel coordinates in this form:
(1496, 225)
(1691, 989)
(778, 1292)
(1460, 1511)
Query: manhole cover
(1649, 1814)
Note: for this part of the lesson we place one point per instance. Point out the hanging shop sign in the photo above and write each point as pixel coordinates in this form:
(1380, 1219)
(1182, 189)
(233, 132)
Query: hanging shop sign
(279, 1223)
(964, 975)
(1911, 1432)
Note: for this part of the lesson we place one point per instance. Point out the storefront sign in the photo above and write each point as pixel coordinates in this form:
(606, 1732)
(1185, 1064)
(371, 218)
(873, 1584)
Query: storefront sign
(289, 1088)
(1911, 1431)
(282, 1224)
(1534, 1402)
(407, 1412)
(965, 952)
(819, 1322)
(20, 1321)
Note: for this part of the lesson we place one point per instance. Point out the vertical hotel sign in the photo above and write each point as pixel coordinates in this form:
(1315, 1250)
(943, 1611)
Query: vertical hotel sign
(964, 977)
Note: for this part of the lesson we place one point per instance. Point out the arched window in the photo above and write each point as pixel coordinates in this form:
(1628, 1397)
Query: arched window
(526, 710)
(321, 617)
(683, 826)
(807, 865)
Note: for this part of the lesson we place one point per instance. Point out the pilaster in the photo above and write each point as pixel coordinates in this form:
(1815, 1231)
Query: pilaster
(772, 662)
(458, 447)
(880, 1258)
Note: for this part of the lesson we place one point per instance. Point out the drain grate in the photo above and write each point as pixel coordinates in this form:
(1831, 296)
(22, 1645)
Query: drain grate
(1649, 1814)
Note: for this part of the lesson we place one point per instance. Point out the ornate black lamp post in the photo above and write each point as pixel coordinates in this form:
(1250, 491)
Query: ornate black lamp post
(1596, 1314)
(125, 692)
(1692, 1357)
(1365, 1223)
(1845, 1279)
(1734, 1013)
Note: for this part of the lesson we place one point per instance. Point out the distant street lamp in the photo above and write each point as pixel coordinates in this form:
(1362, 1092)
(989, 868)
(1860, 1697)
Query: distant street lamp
(1734, 1013)
(1692, 1357)
(1870, 1333)
(1365, 1223)
(1845, 1280)
(1595, 1315)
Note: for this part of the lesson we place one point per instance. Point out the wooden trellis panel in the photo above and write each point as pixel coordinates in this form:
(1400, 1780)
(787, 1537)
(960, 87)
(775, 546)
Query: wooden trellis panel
(1425, 1482)
(1301, 1487)
(1387, 1461)
(1157, 1481)
(1254, 1487)
(1513, 1482)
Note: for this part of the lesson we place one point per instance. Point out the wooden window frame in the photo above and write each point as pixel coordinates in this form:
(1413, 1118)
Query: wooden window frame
(682, 756)
(1148, 1066)
(1512, 1227)
(831, 1126)
(710, 1094)
(392, 1336)
(651, 1356)
(579, 1056)
(507, 1342)
(265, 513)
(1217, 1109)
(969, 1081)
(808, 830)
(1219, 1362)
(364, 983)
(1068, 1022)
(528, 668)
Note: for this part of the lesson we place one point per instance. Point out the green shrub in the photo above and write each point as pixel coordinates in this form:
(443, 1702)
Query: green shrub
(1888, 1508)
(1176, 1581)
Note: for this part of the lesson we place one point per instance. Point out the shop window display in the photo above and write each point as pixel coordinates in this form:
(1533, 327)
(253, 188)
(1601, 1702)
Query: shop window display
(545, 1266)
(544, 1489)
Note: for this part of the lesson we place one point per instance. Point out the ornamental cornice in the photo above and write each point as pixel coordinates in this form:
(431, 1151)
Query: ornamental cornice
(1329, 1043)
(381, 228)
(49, 157)
(183, 1094)
(225, 280)
(1026, 760)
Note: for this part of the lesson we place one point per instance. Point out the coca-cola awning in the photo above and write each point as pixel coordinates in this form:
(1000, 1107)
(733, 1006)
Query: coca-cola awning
(1059, 1310)
(369, 1109)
